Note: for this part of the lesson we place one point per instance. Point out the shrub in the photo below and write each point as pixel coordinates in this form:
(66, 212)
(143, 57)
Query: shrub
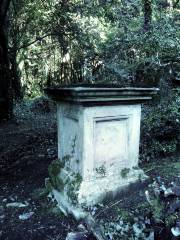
(160, 129)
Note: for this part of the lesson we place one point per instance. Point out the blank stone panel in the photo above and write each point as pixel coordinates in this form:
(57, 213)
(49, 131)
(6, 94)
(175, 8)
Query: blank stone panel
(111, 142)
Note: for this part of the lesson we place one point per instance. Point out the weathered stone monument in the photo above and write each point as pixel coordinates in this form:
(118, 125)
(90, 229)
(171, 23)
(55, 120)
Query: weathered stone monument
(98, 143)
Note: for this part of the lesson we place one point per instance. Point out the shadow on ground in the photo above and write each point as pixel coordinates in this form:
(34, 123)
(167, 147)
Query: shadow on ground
(28, 144)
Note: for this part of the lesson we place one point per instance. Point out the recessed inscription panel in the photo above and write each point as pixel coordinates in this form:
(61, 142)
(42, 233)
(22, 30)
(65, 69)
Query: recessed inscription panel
(111, 142)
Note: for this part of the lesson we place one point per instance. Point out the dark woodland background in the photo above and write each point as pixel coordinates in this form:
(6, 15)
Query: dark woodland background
(82, 42)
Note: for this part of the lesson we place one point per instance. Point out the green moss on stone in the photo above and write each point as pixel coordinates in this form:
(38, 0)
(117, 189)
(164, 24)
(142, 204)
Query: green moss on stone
(124, 172)
(55, 167)
(101, 170)
(54, 171)
(73, 185)
(70, 184)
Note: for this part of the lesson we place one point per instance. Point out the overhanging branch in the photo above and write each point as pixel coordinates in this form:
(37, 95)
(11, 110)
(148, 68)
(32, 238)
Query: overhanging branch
(38, 39)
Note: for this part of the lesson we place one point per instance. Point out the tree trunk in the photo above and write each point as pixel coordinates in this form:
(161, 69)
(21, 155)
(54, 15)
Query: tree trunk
(147, 15)
(5, 71)
(15, 78)
(170, 7)
(6, 98)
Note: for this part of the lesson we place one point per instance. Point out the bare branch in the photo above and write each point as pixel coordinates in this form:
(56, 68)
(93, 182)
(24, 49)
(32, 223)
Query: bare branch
(38, 39)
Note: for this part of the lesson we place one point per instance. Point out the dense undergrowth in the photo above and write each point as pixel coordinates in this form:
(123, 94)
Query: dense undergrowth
(160, 128)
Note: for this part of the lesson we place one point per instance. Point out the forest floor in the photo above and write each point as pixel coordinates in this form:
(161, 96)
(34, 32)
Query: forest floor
(28, 144)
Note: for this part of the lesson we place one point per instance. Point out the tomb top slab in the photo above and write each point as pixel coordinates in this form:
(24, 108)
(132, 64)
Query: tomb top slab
(101, 95)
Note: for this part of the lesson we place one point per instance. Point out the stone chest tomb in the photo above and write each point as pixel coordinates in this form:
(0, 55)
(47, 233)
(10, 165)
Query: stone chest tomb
(98, 140)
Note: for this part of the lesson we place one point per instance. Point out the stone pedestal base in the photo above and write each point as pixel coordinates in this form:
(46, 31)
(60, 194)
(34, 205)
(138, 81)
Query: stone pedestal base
(76, 196)
(97, 190)
(98, 142)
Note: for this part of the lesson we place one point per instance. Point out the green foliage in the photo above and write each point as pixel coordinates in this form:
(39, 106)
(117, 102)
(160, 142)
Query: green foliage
(55, 167)
(157, 209)
(54, 170)
(160, 129)
(64, 42)
(72, 186)
(159, 206)
(69, 184)
(125, 215)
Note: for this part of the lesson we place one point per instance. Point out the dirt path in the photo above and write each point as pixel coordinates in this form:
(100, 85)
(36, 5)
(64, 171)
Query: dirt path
(27, 146)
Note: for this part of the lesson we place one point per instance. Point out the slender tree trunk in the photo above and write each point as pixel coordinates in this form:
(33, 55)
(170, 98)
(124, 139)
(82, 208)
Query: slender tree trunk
(147, 15)
(15, 76)
(170, 7)
(5, 71)
(5, 77)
